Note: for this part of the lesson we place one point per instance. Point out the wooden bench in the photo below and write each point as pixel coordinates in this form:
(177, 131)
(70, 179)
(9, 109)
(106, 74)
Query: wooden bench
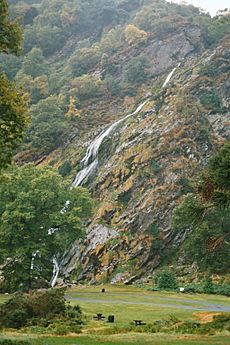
(99, 317)
(139, 323)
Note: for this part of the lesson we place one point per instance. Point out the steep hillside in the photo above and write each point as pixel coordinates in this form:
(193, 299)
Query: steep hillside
(145, 166)
(87, 65)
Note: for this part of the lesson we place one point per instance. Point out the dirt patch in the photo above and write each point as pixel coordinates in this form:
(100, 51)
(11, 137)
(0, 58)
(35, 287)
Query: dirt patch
(205, 317)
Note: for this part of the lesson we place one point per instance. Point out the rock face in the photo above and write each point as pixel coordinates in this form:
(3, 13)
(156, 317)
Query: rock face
(97, 237)
(145, 165)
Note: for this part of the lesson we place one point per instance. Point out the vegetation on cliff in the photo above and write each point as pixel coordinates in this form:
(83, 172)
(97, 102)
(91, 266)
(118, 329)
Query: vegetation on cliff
(90, 49)
(206, 214)
(12, 106)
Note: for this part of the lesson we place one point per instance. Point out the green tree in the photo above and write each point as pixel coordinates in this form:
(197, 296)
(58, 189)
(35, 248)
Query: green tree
(84, 59)
(167, 280)
(86, 86)
(10, 33)
(206, 213)
(135, 70)
(34, 63)
(40, 218)
(48, 125)
(12, 107)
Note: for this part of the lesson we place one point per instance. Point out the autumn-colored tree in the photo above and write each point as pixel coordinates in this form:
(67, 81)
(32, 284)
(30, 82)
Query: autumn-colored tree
(72, 111)
(12, 107)
(135, 36)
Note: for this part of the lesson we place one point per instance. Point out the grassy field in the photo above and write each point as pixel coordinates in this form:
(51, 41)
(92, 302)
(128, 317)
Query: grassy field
(127, 304)
(132, 339)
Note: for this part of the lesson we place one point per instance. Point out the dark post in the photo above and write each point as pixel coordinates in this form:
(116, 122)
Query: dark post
(111, 318)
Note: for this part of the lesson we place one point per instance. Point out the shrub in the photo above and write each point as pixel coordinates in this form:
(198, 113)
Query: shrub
(208, 286)
(65, 168)
(222, 289)
(167, 280)
(40, 308)
(155, 167)
(86, 86)
(135, 70)
(14, 342)
(113, 85)
(84, 59)
(211, 100)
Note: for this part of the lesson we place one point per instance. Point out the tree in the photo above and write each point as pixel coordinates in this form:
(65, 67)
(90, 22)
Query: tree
(84, 59)
(13, 120)
(206, 213)
(12, 107)
(48, 125)
(167, 280)
(135, 36)
(86, 86)
(72, 111)
(34, 63)
(40, 218)
(10, 33)
(135, 70)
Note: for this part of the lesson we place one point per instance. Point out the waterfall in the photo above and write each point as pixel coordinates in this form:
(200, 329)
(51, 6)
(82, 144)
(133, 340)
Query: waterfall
(55, 272)
(90, 161)
(33, 258)
(169, 76)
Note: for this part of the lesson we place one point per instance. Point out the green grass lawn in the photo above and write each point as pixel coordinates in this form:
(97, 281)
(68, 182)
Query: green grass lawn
(4, 298)
(132, 338)
(125, 312)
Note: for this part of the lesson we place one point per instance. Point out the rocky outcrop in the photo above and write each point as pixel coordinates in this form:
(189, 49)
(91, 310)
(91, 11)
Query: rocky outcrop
(145, 165)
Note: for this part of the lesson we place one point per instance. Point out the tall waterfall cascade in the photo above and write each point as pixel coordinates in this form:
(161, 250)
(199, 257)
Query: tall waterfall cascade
(90, 161)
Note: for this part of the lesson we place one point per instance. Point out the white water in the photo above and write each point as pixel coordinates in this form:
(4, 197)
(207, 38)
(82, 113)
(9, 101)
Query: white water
(90, 161)
(92, 151)
(55, 272)
(168, 78)
(33, 258)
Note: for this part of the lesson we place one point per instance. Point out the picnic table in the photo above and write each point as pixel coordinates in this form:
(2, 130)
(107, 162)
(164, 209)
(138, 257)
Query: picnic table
(139, 322)
(99, 317)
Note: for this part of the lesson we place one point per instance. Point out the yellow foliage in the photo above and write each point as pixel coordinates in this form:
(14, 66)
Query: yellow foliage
(72, 108)
(135, 36)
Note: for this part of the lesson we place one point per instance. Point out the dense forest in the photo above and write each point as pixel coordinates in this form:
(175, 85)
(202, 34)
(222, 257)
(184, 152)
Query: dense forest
(63, 66)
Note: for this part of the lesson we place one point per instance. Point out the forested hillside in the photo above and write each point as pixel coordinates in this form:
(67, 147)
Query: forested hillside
(84, 66)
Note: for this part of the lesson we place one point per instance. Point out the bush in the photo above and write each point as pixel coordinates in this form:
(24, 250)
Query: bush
(86, 86)
(222, 289)
(135, 70)
(41, 308)
(208, 286)
(85, 59)
(65, 168)
(167, 281)
(14, 342)
(211, 100)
